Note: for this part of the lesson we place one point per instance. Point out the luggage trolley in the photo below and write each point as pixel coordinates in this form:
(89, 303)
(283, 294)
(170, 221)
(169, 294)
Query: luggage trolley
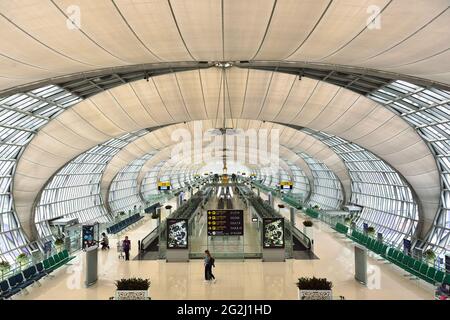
(120, 249)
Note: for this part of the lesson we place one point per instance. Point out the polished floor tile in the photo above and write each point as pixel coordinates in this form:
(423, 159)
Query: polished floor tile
(236, 279)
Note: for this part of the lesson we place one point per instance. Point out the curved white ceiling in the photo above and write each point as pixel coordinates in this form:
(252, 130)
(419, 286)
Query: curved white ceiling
(251, 94)
(290, 141)
(39, 42)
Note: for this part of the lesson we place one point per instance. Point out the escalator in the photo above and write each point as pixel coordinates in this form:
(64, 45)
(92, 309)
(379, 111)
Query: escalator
(149, 246)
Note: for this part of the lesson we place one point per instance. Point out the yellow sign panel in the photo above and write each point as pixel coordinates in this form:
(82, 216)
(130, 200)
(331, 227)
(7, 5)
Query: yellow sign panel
(164, 184)
(286, 184)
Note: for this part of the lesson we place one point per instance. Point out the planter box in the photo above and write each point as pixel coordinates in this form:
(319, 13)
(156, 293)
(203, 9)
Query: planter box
(131, 295)
(315, 295)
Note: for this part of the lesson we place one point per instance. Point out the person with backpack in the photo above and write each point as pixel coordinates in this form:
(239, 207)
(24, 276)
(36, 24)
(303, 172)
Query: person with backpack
(209, 264)
(105, 242)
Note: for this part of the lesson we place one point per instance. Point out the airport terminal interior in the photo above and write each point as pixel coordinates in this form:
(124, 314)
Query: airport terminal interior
(224, 150)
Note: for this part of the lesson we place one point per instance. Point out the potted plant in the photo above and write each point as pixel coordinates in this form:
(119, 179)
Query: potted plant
(22, 259)
(347, 220)
(314, 289)
(307, 228)
(4, 267)
(316, 207)
(370, 231)
(430, 256)
(59, 244)
(132, 289)
(308, 223)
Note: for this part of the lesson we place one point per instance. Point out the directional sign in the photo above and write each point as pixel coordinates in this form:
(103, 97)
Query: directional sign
(225, 222)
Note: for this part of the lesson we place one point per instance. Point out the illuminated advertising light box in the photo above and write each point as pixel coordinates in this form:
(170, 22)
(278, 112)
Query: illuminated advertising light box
(223, 222)
(273, 233)
(286, 185)
(89, 235)
(177, 233)
(164, 185)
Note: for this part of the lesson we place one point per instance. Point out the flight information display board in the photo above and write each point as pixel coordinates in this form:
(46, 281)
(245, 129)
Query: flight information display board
(225, 222)
(273, 232)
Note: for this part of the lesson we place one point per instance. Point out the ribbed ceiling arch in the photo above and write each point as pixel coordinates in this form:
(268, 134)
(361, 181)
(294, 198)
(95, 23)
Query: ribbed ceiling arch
(251, 94)
(407, 39)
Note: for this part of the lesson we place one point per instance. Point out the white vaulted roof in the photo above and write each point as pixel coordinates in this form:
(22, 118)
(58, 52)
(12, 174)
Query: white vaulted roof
(39, 41)
(251, 95)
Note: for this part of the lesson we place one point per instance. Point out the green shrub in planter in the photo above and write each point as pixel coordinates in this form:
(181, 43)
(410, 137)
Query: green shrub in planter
(314, 283)
(347, 220)
(59, 243)
(371, 230)
(308, 223)
(430, 255)
(4, 267)
(316, 206)
(132, 284)
(22, 259)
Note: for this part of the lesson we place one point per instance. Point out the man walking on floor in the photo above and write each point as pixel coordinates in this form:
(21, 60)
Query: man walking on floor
(209, 264)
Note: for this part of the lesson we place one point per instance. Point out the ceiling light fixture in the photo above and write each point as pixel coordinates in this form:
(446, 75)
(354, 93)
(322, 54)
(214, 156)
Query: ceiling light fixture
(223, 64)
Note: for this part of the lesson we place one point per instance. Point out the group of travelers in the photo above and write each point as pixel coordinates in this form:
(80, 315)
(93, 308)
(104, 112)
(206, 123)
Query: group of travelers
(123, 246)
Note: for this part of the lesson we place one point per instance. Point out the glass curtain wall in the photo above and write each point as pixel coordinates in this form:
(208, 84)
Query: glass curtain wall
(327, 189)
(427, 109)
(387, 200)
(124, 191)
(21, 115)
(74, 192)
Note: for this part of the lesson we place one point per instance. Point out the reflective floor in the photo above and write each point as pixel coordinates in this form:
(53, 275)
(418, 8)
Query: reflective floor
(249, 279)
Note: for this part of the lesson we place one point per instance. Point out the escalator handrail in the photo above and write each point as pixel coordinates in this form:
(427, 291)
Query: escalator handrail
(303, 238)
(150, 237)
